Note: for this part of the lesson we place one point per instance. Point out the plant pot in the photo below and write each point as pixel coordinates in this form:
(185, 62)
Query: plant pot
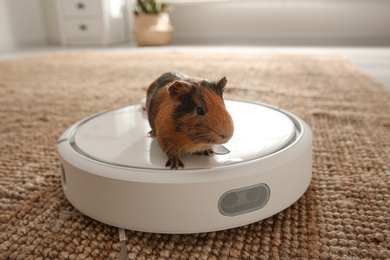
(152, 29)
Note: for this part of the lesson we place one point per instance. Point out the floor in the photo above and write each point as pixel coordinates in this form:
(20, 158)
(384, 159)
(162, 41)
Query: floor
(375, 61)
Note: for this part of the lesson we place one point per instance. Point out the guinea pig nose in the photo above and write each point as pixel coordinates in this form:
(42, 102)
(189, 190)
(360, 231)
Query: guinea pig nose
(225, 137)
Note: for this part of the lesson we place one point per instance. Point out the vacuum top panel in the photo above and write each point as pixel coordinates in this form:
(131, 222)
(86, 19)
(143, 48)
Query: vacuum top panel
(119, 137)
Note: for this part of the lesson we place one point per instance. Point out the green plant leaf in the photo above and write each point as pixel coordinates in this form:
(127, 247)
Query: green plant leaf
(150, 7)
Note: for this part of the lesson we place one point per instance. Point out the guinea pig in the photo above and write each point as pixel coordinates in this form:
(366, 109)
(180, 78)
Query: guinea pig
(187, 115)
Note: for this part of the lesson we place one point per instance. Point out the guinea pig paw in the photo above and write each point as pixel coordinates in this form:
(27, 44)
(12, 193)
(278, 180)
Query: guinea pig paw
(174, 163)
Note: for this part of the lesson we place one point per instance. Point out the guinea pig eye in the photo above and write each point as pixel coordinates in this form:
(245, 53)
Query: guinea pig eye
(200, 111)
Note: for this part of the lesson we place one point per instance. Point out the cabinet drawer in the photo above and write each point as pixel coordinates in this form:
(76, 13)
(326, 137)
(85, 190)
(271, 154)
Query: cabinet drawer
(82, 7)
(83, 28)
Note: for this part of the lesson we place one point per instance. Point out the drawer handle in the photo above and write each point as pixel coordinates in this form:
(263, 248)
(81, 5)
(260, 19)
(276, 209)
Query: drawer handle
(80, 5)
(83, 27)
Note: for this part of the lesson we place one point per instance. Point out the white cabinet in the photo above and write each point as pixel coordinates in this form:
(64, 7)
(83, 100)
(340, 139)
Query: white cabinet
(91, 21)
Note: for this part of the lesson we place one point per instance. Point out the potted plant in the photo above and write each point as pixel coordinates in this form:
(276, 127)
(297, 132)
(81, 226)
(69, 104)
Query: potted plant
(152, 25)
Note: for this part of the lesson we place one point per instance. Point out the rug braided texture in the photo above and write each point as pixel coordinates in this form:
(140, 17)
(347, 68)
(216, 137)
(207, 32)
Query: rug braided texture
(345, 213)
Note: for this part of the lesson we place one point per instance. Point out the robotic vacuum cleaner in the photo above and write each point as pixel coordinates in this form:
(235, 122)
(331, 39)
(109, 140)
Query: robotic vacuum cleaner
(113, 172)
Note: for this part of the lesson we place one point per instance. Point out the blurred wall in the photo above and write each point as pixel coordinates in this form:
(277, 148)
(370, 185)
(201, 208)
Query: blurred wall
(284, 21)
(351, 22)
(21, 24)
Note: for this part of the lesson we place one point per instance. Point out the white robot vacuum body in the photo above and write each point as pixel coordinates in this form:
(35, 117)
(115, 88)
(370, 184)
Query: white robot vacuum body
(113, 172)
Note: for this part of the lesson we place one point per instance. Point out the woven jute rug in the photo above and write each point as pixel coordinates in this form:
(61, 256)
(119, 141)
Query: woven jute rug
(345, 213)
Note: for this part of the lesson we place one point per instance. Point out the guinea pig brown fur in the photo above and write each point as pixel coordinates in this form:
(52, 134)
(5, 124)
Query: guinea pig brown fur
(187, 115)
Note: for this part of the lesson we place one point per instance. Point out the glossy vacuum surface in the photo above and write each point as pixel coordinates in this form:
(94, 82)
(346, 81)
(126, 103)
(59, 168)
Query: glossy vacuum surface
(114, 172)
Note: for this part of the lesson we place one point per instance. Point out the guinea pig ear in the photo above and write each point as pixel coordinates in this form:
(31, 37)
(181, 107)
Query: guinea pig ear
(178, 89)
(221, 84)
